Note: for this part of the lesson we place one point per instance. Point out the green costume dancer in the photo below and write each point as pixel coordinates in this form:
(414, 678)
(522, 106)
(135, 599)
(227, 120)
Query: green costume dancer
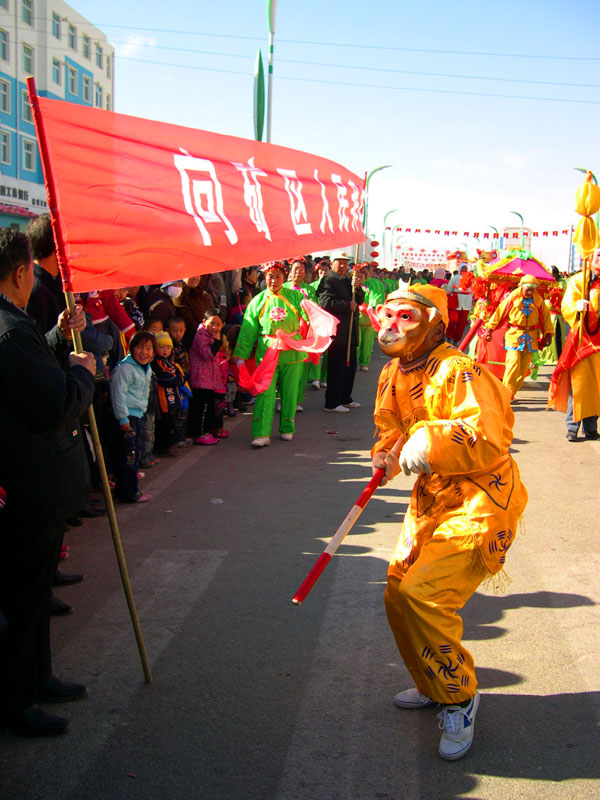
(297, 282)
(375, 294)
(317, 373)
(274, 309)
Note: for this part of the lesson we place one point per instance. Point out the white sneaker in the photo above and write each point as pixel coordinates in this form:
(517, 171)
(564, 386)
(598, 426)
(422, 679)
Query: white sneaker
(323, 385)
(287, 437)
(338, 410)
(412, 698)
(316, 385)
(299, 407)
(364, 368)
(262, 441)
(458, 725)
(353, 404)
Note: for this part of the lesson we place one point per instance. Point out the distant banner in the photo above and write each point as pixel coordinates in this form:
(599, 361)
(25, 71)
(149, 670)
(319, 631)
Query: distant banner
(139, 201)
(508, 235)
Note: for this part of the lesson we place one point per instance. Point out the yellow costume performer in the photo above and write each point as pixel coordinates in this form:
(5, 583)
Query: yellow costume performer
(577, 373)
(528, 320)
(456, 420)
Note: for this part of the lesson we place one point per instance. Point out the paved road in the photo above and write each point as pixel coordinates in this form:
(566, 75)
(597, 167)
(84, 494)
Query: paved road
(255, 699)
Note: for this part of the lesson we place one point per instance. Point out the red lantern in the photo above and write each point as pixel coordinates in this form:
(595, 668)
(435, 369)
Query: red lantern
(374, 263)
(374, 244)
(374, 253)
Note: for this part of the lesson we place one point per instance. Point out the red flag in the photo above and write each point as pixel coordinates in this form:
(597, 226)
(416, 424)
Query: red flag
(139, 201)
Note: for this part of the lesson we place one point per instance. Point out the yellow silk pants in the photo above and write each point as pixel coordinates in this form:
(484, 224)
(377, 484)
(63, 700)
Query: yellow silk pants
(515, 369)
(427, 583)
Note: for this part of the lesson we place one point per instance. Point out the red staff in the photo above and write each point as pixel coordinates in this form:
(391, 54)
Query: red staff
(344, 529)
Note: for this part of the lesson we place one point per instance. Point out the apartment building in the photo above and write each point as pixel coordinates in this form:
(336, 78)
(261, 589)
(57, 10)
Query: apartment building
(70, 60)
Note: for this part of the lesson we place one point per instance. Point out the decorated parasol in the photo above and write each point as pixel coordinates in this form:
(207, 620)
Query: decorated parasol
(515, 264)
(491, 282)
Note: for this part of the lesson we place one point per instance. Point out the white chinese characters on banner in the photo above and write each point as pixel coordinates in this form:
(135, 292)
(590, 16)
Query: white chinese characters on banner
(293, 187)
(325, 216)
(202, 195)
(203, 198)
(343, 204)
(253, 194)
(356, 211)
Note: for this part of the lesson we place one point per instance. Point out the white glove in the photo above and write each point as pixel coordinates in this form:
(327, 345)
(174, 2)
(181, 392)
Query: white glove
(581, 305)
(415, 456)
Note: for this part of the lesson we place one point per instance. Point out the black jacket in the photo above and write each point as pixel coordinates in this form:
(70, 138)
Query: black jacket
(43, 467)
(47, 299)
(335, 294)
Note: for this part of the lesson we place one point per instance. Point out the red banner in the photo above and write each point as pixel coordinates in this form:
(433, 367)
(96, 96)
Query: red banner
(139, 201)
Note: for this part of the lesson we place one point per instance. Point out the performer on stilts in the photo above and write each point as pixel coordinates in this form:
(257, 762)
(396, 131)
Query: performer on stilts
(465, 505)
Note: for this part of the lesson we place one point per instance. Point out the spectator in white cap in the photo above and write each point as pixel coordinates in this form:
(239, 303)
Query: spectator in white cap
(341, 295)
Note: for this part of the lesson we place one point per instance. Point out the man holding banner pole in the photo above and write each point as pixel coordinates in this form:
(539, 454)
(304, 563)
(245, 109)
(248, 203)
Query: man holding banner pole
(341, 295)
(43, 471)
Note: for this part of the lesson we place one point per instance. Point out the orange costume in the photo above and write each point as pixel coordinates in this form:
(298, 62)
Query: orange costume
(528, 321)
(579, 365)
(462, 517)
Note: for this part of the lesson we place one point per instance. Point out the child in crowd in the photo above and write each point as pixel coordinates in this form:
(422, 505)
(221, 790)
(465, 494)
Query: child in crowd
(206, 379)
(181, 357)
(169, 379)
(154, 325)
(231, 332)
(223, 357)
(147, 458)
(129, 391)
(131, 307)
(235, 315)
(176, 328)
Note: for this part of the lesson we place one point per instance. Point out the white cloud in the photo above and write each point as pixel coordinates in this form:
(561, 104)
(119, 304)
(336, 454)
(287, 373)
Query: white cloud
(520, 159)
(135, 43)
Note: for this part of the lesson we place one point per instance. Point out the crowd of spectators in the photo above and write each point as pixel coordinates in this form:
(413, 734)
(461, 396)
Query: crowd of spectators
(164, 377)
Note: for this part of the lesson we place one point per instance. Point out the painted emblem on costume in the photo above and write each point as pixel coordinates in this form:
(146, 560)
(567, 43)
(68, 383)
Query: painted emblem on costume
(277, 314)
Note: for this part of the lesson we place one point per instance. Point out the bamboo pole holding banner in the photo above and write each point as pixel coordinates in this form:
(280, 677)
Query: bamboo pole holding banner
(67, 287)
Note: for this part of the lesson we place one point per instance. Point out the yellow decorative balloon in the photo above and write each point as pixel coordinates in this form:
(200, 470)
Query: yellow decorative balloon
(587, 197)
(587, 202)
(585, 237)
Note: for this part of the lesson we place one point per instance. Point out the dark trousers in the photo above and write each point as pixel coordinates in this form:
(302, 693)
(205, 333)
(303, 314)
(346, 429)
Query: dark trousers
(340, 378)
(165, 431)
(125, 459)
(203, 412)
(28, 559)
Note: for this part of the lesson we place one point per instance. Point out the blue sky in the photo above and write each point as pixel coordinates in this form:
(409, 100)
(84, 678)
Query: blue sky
(481, 108)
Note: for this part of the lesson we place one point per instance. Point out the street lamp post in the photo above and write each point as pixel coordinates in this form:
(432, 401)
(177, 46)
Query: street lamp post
(520, 216)
(392, 247)
(271, 9)
(368, 177)
(497, 232)
(383, 236)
